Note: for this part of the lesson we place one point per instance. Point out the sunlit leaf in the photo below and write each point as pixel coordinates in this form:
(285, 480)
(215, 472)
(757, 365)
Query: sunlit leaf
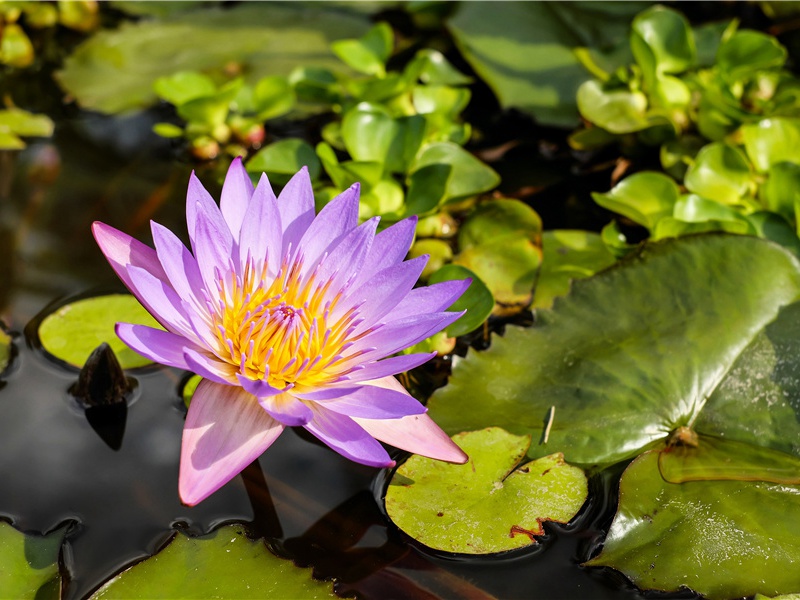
(477, 300)
(643, 197)
(16, 49)
(273, 96)
(747, 51)
(662, 42)
(5, 349)
(723, 539)
(616, 110)
(282, 159)
(223, 564)
(492, 503)
(771, 141)
(73, 331)
(369, 53)
(499, 217)
(183, 86)
(24, 123)
(30, 563)
(720, 172)
(646, 346)
(468, 176)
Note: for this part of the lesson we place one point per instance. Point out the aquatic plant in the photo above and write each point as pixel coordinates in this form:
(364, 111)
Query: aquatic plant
(290, 319)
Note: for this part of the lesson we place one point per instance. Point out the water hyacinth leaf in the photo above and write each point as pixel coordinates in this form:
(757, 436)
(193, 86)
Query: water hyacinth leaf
(617, 110)
(435, 69)
(720, 172)
(439, 252)
(30, 563)
(16, 49)
(671, 227)
(73, 331)
(369, 53)
(645, 198)
(368, 132)
(499, 217)
(747, 51)
(676, 155)
(722, 539)
(273, 96)
(282, 159)
(771, 141)
(662, 42)
(468, 176)
(211, 110)
(568, 255)
(692, 208)
(492, 503)
(772, 226)
(719, 459)
(183, 86)
(634, 352)
(525, 52)
(24, 123)
(477, 300)
(113, 71)
(223, 564)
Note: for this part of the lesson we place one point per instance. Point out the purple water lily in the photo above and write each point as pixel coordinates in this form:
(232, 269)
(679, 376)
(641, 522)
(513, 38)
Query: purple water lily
(291, 318)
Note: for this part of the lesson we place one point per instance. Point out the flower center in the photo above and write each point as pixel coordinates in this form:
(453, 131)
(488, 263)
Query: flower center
(280, 328)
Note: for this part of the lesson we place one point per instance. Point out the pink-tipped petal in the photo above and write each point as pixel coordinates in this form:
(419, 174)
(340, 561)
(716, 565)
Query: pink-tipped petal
(225, 431)
(414, 433)
(389, 248)
(261, 236)
(334, 221)
(157, 345)
(374, 402)
(296, 203)
(210, 367)
(235, 198)
(348, 438)
(122, 251)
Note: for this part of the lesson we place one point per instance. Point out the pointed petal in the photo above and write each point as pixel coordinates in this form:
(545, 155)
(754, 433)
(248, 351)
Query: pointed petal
(122, 251)
(296, 204)
(414, 433)
(432, 298)
(160, 300)
(213, 250)
(225, 431)
(287, 410)
(345, 260)
(261, 235)
(397, 335)
(334, 221)
(348, 438)
(235, 198)
(179, 265)
(160, 346)
(385, 367)
(199, 200)
(389, 248)
(210, 368)
(374, 402)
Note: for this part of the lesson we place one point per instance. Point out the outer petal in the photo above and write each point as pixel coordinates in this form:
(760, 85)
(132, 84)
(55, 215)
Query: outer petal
(345, 260)
(397, 335)
(385, 367)
(348, 438)
(235, 198)
(122, 251)
(225, 431)
(389, 248)
(373, 402)
(333, 222)
(414, 433)
(210, 368)
(160, 300)
(198, 200)
(213, 250)
(261, 236)
(287, 410)
(432, 298)
(179, 265)
(296, 203)
(157, 345)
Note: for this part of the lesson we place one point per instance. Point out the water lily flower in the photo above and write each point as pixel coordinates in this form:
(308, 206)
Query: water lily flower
(291, 318)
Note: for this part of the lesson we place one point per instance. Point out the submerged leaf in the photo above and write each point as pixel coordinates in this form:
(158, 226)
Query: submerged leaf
(491, 504)
(223, 564)
(30, 563)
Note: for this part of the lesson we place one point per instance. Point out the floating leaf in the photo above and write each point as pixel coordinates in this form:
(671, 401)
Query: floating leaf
(223, 564)
(490, 504)
(720, 172)
(645, 198)
(184, 86)
(568, 255)
(498, 218)
(639, 350)
(113, 71)
(369, 53)
(73, 331)
(662, 42)
(771, 141)
(477, 300)
(617, 110)
(467, 176)
(723, 539)
(747, 51)
(30, 563)
(282, 159)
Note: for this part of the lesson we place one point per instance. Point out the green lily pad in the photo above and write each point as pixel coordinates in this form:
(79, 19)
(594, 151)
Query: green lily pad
(720, 172)
(5, 349)
(645, 198)
(723, 539)
(282, 159)
(113, 71)
(641, 349)
(30, 563)
(525, 52)
(568, 255)
(223, 564)
(73, 331)
(490, 504)
(477, 300)
(497, 218)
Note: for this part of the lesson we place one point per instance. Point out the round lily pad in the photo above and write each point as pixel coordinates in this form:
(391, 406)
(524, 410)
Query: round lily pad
(73, 331)
(490, 504)
(30, 563)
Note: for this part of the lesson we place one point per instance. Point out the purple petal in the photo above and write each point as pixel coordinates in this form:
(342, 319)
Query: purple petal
(397, 335)
(122, 251)
(373, 402)
(414, 433)
(199, 200)
(348, 438)
(179, 264)
(258, 387)
(157, 345)
(235, 198)
(296, 204)
(261, 235)
(386, 367)
(432, 298)
(287, 410)
(213, 250)
(225, 431)
(210, 367)
(381, 293)
(160, 300)
(346, 258)
(389, 248)
(334, 221)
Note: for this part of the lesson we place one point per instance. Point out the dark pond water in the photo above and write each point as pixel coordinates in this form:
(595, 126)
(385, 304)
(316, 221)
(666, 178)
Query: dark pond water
(120, 499)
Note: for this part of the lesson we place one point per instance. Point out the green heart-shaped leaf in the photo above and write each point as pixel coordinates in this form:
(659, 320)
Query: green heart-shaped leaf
(720, 172)
(490, 504)
(282, 159)
(477, 300)
(645, 198)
